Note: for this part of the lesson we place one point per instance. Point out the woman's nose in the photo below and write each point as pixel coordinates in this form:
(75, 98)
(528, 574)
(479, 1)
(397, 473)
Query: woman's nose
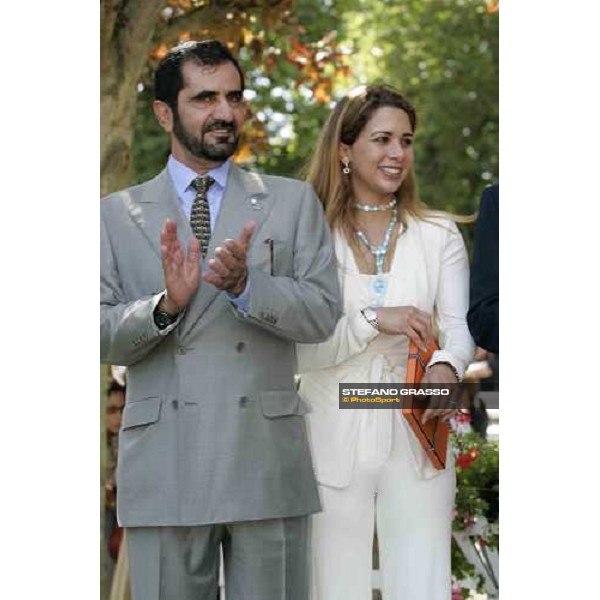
(395, 150)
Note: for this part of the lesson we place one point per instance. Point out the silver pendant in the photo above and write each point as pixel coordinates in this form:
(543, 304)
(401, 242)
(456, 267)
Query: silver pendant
(380, 285)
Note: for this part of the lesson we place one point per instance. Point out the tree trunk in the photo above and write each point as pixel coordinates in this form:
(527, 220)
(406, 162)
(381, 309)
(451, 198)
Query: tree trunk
(126, 32)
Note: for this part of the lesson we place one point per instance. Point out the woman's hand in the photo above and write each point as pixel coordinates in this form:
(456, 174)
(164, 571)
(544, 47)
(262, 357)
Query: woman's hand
(406, 320)
(446, 406)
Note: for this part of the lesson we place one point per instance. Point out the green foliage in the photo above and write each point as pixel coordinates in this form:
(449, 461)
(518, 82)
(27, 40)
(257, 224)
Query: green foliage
(287, 107)
(442, 54)
(477, 487)
(477, 481)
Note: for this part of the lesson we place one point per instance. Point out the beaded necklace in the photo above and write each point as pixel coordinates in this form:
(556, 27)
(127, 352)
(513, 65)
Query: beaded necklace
(379, 284)
(376, 207)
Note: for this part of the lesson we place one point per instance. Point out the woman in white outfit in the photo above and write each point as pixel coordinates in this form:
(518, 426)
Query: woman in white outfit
(403, 268)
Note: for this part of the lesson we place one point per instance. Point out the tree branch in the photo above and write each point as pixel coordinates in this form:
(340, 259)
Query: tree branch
(214, 16)
(208, 17)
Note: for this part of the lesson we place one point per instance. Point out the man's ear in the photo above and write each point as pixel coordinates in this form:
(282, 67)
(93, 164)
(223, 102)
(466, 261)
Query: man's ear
(164, 115)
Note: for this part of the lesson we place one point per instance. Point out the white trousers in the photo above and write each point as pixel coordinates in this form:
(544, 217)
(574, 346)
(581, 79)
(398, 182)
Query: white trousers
(414, 528)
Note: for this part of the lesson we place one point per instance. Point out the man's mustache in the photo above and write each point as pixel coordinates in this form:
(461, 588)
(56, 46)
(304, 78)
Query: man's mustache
(223, 125)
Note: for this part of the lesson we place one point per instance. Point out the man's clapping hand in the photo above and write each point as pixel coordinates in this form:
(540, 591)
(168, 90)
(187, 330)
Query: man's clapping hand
(181, 270)
(228, 269)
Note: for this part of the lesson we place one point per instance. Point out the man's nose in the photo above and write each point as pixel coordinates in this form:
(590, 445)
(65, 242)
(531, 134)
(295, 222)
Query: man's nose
(223, 110)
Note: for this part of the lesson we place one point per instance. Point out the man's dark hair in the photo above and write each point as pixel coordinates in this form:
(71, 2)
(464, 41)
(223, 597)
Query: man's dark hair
(114, 386)
(168, 79)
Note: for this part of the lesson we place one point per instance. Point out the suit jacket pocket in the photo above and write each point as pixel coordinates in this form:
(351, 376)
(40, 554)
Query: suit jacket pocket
(141, 412)
(273, 256)
(281, 403)
(283, 259)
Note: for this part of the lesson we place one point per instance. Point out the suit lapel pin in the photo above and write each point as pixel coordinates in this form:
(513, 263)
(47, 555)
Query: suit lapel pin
(257, 201)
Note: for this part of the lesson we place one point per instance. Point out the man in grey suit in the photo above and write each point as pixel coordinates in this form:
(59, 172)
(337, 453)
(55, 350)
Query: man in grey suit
(209, 275)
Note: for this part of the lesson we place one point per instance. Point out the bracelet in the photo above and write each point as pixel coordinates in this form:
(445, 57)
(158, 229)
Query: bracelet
(443, 362)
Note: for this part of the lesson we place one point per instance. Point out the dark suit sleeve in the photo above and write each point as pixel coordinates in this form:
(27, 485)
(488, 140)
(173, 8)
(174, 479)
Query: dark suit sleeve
(484, 302)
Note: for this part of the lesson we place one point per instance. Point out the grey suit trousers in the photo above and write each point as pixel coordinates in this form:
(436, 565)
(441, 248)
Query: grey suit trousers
(263, 560)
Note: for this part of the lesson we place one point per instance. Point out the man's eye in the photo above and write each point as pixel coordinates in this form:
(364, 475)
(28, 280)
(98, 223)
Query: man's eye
(204, 99)
(235, 98)
(407, 142)
(382, 139)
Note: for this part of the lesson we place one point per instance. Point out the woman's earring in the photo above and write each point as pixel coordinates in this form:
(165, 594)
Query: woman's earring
(346, 169)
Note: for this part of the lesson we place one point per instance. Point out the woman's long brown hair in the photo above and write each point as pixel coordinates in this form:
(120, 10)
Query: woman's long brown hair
(324, 171)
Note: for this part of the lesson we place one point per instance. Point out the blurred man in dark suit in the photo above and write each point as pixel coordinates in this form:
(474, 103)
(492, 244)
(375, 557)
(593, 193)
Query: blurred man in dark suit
(483, 309)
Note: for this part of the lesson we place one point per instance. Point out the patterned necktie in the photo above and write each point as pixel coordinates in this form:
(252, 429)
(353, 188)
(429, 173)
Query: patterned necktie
(200, 215)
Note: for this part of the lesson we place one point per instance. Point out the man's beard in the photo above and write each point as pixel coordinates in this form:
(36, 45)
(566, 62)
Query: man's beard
(198, 147)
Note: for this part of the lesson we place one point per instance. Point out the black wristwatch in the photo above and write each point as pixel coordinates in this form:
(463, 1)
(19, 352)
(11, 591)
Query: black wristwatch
(163, 319)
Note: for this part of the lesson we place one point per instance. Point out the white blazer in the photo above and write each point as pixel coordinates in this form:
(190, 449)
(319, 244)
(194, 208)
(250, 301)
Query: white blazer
(430, 271)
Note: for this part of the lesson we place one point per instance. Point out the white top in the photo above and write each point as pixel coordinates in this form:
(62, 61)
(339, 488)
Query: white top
(430, 271)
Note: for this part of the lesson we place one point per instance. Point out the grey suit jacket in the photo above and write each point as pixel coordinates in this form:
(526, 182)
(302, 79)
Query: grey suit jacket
(213, 430)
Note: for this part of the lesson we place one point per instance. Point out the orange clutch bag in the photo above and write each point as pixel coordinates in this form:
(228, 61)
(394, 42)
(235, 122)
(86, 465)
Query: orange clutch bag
(433, 436)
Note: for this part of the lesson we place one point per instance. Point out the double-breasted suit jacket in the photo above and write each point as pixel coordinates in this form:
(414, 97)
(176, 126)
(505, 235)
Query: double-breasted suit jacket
(213, 430)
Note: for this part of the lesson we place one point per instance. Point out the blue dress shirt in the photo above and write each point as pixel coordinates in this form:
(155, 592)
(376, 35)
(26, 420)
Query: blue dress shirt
(182, 177)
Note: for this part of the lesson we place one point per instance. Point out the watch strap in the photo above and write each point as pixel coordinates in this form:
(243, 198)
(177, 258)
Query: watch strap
(371, 317)
(161, 318)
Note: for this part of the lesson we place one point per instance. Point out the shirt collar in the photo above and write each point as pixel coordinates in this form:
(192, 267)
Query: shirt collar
(182, 176)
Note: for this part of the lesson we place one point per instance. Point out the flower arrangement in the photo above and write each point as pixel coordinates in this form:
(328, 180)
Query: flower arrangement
(476, 508)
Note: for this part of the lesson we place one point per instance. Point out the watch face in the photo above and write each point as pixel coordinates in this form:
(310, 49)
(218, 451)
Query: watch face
(162, 319)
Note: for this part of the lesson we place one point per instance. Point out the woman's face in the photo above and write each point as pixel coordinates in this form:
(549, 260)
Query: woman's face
(381, 156)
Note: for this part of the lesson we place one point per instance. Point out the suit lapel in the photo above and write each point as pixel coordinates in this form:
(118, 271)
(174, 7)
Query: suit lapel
(245, 199)
(152, 204)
